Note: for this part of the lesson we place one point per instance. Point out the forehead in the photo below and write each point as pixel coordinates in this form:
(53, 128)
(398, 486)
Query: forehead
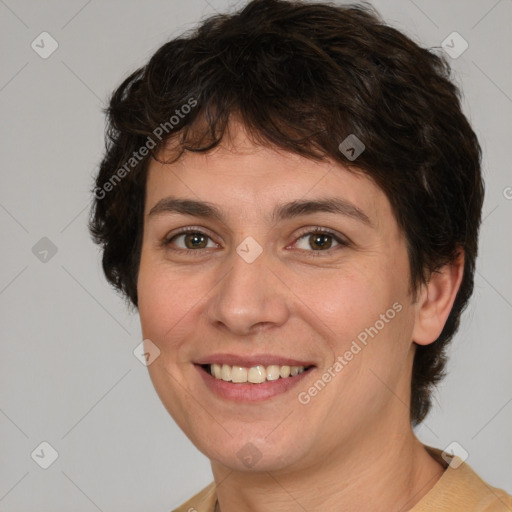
(240, 176)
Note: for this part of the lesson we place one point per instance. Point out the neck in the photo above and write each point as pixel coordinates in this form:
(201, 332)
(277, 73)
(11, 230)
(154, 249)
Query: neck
(387, 474)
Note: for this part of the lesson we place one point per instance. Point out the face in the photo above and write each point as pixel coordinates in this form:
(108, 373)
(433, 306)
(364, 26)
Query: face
(266, 285)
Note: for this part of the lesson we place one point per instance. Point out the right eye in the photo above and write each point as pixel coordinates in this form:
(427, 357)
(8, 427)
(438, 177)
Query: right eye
(192, 238)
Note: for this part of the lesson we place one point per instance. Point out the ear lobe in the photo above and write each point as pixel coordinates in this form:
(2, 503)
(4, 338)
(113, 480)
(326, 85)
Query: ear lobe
(436, 300)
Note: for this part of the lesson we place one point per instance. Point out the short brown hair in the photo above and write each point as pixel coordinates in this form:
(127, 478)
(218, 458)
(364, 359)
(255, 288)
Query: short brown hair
(302, 77)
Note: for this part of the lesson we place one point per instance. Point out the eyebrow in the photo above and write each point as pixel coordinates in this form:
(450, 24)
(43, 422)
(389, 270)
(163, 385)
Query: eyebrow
(284, 211)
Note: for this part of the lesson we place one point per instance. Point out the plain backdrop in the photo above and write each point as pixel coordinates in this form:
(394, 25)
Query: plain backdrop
(68, 373)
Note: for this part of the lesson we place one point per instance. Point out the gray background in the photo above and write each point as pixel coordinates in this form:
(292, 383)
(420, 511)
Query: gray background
(68, 375)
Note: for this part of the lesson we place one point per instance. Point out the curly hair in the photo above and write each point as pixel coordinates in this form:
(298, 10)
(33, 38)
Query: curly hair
(303, 76)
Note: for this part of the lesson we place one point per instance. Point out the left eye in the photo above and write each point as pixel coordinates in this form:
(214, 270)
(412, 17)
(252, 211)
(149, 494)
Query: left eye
(320, 240)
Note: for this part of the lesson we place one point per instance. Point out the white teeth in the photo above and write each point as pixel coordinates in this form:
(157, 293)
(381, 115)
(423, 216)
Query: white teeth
(255, 374)
(284, 371)
(273, 372)
(238, 374)
(225, 373)
(217, 371)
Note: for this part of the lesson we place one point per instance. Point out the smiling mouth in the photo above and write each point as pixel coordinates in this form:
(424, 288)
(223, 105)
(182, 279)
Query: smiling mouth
(253, 375)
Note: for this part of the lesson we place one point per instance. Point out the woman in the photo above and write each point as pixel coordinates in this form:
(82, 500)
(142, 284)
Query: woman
(291, 198)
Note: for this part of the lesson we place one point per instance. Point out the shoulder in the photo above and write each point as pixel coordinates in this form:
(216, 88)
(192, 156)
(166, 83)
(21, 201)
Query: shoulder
(203, 501)
(462, 489)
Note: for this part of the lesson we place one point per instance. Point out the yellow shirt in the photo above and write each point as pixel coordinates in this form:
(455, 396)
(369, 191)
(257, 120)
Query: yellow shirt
(460, 489)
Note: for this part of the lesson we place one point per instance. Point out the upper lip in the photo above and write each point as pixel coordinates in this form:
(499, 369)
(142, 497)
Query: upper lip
(250, 361)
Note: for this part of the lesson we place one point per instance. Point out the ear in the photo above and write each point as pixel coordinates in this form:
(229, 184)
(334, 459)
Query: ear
(435, 301)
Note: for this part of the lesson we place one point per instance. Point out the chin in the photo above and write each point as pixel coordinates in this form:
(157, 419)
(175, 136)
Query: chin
(253, 453)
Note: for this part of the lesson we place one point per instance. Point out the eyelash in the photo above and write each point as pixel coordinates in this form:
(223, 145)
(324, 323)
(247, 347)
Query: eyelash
(317, 230)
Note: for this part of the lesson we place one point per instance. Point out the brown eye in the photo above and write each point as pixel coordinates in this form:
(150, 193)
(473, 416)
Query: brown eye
(320, 240)
(190, 240)
(195, 240)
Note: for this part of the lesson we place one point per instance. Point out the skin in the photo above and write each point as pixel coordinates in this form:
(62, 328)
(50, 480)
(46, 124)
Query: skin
(351, 447)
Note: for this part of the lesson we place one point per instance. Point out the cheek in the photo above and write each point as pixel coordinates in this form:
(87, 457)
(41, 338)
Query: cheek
(368, 316)
(346, 300)
(160, 301)
(169, 302)
(370, 324)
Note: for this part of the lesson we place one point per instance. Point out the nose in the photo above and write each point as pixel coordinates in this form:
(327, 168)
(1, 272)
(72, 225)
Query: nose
(249, 298)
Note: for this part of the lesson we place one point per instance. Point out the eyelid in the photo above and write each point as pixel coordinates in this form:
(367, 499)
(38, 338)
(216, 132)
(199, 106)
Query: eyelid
(187, 229)
(342, 240)
(183, 231)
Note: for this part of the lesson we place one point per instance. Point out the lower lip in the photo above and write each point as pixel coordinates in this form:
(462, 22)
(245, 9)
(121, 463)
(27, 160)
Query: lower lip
(248, 392)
